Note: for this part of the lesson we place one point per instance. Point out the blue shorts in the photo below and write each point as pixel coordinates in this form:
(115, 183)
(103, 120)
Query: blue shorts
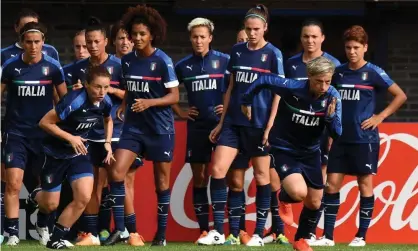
(353, 159)
(21, 152)
(154, 147)
(324, 148)
(241, 162)
(97, 154)
(247, 140)
(54, 171)
(199, 148)
(309, 166)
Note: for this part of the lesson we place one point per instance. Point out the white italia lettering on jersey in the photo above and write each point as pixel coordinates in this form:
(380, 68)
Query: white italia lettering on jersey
(85, 125)
(245, 77)
(350, 94)
(305, 120)
(203, 84)
(137, 86)
(31, 91)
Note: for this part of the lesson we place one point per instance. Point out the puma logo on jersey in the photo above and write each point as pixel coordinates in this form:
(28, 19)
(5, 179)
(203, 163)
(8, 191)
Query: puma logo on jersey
(239, 54)
(127, 63)
(341, 75)
(18, 70)
(190, 67)
(297, 99)
(13, 55)
(167, 153)
(294, 67)
(261, 148)
(170, 65)
(83, 70)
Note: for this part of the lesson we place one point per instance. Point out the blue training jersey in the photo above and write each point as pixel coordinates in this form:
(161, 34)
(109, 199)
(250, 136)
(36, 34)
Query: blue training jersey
(15, 49)
(78, 116)
(295, 67)
(113, 66)
(148, 78)
(245, 67)
(358, 94)
(299, 125)
(204, 79)
(30, 93)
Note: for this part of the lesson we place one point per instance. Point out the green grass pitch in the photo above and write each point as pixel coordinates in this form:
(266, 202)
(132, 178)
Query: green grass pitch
(179, 246)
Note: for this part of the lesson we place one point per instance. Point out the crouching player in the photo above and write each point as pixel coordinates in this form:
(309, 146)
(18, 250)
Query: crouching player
(65, 151)
(306, 107)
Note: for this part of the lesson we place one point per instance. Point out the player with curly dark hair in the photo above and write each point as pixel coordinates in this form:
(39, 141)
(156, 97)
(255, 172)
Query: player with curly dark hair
(151, 89)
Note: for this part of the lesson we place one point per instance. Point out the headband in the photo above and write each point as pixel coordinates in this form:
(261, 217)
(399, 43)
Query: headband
(256, 15)
(33, 30)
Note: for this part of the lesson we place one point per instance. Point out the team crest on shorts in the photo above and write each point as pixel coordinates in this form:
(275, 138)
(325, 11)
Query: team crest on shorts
(153, 66)
(45, 70)
(284, 168)
(48, 179)
(215, 64)
(264, 57)
(110, 69)
(364, 76)
(9, 157)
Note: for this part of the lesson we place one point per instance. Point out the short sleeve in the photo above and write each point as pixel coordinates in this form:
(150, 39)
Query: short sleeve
(64, 107)
(6, 76)
(58, 75)
(277, 63)
(169, 77)
(381, 79)
(177, 70)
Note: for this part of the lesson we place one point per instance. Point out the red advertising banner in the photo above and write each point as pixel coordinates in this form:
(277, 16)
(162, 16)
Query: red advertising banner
(395, 190)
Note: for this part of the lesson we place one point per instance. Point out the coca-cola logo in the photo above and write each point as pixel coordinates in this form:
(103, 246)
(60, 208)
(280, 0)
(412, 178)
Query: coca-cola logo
(393, 193)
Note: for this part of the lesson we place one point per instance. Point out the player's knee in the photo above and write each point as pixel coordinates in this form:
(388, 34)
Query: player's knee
(261, 177)
(219, 171)
(365, 188)
(81, 200)
(298, 193)
(13, 187)
(162, 184)
(116, 174)
(49, 205)
(236, 183)
(313, 203)
(199, 179)
(332, 186)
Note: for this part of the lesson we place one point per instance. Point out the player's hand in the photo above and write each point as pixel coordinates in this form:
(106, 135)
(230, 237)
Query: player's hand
(247, 111)
(219, 109)
(77, 143)
(372, 122)
(78, 85)
(141, 105)
(109, 155)
(192, 113)
(331, 108)
(265, 141)
(214, 134)
(111, 90)
(120, 113)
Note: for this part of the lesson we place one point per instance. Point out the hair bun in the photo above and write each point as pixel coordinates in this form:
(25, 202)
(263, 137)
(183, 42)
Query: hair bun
(94, 21)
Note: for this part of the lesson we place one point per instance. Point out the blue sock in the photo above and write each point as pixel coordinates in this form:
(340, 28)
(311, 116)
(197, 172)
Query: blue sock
(51, 220)
(90, 223)
(331, 206)
(262, 201)
(105, 213)
(43, 219)
(12, 226)
(59, 232)
(130, 223)
(277, 225)
(117, 191)
(2, 212)
(218, 196)
(201, 207)
(284, 197)
(318, 217)
(307, 220)
(242, 218)
(234, 211)
(163, 206)
(366, 213)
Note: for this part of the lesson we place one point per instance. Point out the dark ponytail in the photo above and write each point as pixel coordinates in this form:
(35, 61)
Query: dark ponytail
(94, 24)
(260, 11)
